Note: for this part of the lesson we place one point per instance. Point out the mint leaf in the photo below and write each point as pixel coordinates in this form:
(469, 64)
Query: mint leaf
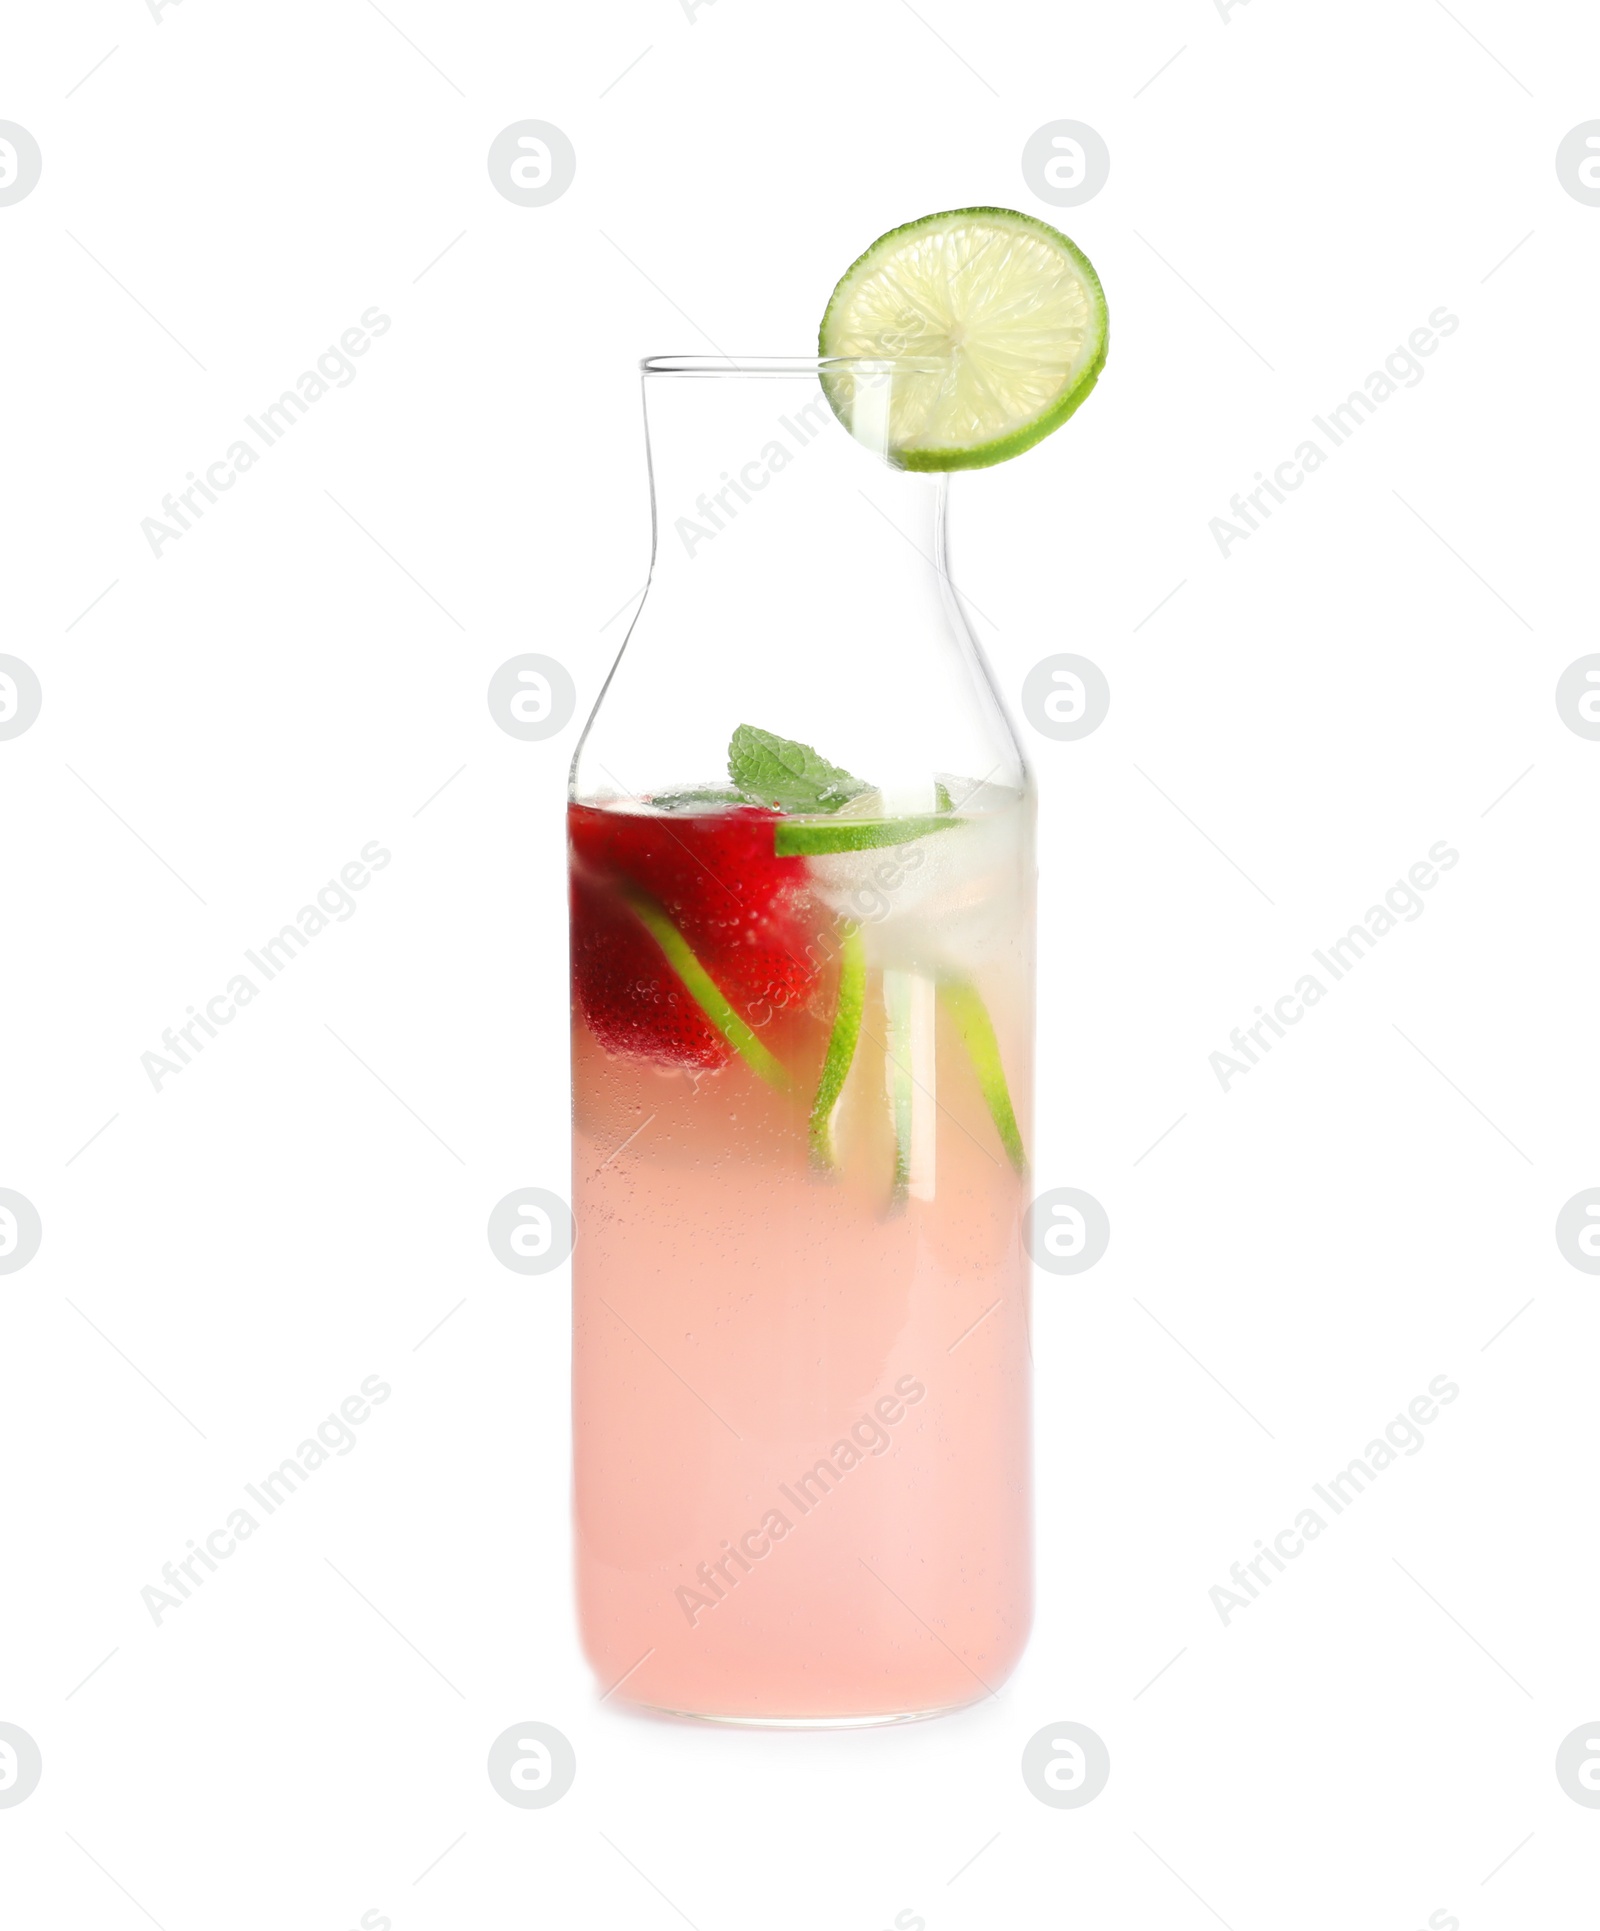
(770, 770)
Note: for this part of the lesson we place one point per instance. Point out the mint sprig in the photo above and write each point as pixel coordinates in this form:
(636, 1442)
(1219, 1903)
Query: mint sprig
(769, 770)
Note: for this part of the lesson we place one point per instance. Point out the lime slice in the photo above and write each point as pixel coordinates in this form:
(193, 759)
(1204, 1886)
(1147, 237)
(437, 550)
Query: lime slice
(1001, 320)
(843, 1038)
(804, 838)
(897, 1051)
(976, 1028)
(909, 1000)
(705, 991)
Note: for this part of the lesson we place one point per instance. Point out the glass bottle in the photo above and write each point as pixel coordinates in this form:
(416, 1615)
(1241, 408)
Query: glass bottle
(801, 837)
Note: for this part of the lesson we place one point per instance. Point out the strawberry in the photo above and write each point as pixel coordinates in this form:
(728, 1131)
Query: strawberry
(744, 912)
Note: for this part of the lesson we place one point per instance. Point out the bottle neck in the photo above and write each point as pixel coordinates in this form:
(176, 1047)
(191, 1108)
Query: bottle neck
(764, 465)
(798, 587)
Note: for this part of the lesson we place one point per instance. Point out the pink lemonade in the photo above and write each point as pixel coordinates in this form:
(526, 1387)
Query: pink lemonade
(802, 1051)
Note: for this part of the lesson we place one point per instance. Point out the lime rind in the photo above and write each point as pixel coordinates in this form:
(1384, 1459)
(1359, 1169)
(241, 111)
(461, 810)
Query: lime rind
(796, 838)
(922, 321)
(705, 991)
(843, 1038)
(897, 1052)
(971, 1018)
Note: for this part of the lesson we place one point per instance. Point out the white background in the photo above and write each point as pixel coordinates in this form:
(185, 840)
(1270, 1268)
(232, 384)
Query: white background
(1289, 732)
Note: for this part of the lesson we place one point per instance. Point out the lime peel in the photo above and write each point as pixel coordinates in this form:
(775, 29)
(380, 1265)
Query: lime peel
(843, 1038)
(705, 991)
(797, 839)
(971, 1018)
(897, 1052)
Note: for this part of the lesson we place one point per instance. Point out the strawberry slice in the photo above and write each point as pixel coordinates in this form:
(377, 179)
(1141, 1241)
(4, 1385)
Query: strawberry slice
(744, 913)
